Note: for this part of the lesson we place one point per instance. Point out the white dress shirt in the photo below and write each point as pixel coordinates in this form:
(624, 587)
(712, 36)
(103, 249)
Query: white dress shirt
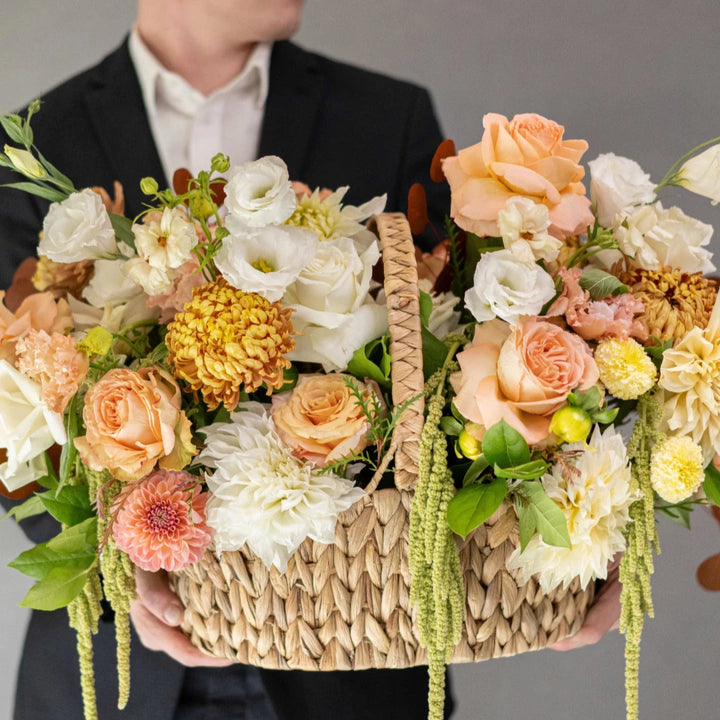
(189, 127)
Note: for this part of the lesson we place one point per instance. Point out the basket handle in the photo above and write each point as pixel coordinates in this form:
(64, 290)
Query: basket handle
(403, 307)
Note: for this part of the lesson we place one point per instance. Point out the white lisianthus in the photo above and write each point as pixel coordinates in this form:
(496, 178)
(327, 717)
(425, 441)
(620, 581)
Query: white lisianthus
(110, 284)
(444, 318)
(701, 174)
(165, 239)
(595, 497)
(334, 313)
(326, 216)
(523, 226)
(617, 184)
(110, 316)
(259, 193)
(265, 261)
(262, 495)
(508, 288)
(27, 428)
(655, 237)
(78, 228)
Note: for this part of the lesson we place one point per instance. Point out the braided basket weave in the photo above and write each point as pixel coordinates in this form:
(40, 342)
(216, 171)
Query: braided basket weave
(346, 606)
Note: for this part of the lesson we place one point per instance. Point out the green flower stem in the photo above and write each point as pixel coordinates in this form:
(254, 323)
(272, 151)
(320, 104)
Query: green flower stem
(672, 175)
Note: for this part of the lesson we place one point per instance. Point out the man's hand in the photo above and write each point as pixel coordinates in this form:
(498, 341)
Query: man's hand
(602, 617)
(156, 613)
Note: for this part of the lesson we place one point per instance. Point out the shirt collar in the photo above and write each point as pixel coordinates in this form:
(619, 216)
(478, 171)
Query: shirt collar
(154, 78)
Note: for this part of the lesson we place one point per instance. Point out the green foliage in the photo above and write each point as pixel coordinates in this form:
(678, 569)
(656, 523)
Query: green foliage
(372, 361)
(548, 519)
(123, 229)
(450, 426)
(591, 402)
(504, 446)
(70, 505)
(711, 484)
(434, 352)
(472, 505)
(601, 284)
(656, 351)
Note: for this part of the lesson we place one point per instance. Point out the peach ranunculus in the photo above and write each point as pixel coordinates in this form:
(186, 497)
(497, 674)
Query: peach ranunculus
(133, 420)
(525, 156)
(521, 374)
(39, 311)
(320, 419)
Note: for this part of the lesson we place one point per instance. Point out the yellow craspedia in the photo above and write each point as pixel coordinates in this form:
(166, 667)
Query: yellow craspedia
(625, 368)
(676, 468)
(226, 340)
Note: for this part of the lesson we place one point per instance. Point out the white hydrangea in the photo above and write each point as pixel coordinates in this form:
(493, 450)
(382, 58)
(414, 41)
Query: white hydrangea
(262, 495)
(595, 500)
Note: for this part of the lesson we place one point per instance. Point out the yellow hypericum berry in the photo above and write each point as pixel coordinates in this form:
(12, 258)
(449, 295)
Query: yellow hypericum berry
(468, 445)
(570, 424)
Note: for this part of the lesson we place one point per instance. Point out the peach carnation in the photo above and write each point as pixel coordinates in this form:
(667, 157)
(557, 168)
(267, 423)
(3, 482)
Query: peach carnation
(160, 523)
(55, 362)
(133, 420)
(521, 374)
(321, 419)
(526, 156)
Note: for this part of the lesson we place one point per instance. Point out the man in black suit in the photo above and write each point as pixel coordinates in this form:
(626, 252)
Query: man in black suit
(334, 125)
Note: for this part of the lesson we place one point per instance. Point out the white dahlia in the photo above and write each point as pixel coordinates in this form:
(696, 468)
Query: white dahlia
(595, 498)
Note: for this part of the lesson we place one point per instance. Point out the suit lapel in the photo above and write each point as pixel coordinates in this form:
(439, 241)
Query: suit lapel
(115, 104)
(297, 87)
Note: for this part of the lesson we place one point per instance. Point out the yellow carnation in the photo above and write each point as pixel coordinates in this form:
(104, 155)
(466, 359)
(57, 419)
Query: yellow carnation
(676, 468)
(625, 369)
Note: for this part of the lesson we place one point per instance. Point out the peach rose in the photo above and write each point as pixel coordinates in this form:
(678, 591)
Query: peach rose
(133, 420)
(521, 374)
(39, 311)
(320, 419)
(526, 156)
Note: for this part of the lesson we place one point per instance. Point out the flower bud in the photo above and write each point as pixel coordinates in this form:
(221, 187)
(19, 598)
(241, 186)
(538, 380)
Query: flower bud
(24, 161)
(701, 174)
(148, 186)
(570, 424)
(468, 445)
(220, 163)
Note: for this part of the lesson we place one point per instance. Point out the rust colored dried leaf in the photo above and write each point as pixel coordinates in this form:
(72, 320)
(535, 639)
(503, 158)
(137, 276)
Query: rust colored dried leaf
(445, 149)
(22, 285)
(417, 209)
(181, 180)
(708, 574)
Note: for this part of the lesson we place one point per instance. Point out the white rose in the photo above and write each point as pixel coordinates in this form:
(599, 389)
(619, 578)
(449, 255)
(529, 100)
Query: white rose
(165, 240)
(701, 174)
(267, 260)
(110, 284)
(27, 428)
(508, 288)
(78, 228)
(259, 193)
(333, 308)
(655, 237)
(617, 184)
(523, 227)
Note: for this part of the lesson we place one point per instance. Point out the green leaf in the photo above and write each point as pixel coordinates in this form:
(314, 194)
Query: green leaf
(711, 484)
(678, 513)
(59, 588)
(600, 284)
(527, 523)
(551, 523)
(588, 400)
(38, 562)
(476, 469)
(68, 452)
(12, 124)
(70, 506)
(426, 306)
(372, 361)
(40, 190)
(32, 506)
(80, 537)
(434, 352)
(527, 471)
(123, 229)
(450, 426)
(474, 504)
(656, 351)
(504, 446)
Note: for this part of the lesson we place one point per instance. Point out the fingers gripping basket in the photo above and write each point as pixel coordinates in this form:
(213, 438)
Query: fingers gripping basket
(346, 606)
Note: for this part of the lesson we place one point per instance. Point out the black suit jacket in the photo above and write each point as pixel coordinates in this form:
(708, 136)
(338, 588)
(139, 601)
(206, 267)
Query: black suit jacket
(334, 125)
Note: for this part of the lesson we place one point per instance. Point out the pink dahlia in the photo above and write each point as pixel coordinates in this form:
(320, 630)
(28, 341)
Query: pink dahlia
(161, 521)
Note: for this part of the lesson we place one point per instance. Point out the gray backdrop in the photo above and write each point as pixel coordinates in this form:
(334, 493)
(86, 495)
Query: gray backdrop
(636, 77)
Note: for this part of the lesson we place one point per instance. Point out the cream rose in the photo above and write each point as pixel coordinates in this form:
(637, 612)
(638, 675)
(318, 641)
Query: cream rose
(525, 156)
(27, 428)
(521, 374)
(320, 418)
(78, 228)
(133, 420)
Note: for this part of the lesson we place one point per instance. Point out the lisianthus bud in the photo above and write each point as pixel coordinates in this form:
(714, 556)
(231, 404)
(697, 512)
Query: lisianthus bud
(220, 163)
(468, 445)
(24, 161)
(201, 207)
(570, 424)
(701, 174)
(149, 186)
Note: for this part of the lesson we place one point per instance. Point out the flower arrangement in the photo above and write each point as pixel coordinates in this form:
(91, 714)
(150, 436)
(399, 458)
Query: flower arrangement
(573, 317)
(203, 369)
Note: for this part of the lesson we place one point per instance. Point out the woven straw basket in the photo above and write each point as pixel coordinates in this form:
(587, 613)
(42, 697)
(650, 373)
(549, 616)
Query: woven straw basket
(346, 606)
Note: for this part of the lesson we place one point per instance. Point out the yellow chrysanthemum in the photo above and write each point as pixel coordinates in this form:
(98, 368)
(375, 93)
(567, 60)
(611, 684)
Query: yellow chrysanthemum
(676, 468)
(227, 340)
(625, 369)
